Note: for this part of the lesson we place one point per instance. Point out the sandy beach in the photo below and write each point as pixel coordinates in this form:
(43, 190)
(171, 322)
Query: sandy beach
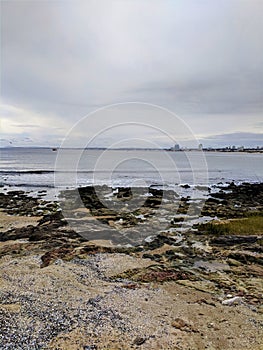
(61, 291)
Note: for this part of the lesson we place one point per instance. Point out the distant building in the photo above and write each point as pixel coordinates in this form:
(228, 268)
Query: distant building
(176, 147)
(200, 147)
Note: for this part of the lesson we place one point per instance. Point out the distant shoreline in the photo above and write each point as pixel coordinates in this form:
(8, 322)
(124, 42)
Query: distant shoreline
(218, 150)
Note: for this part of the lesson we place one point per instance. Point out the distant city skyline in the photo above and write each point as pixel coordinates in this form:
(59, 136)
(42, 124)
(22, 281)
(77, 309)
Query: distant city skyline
(62, 60)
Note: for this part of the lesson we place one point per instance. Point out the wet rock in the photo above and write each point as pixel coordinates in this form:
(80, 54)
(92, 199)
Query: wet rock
(158, 242)
(147, 256)
(233, 240)
(246, 257)
(186, 186)
(46, 232)
(124, 193)
(20, 203)
(177, 220)
(17, 233)
(235, 201)
(152, 202)
(212, 200)
(202, 188)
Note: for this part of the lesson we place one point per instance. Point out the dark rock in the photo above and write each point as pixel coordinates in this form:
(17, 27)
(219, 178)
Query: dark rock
(156, 192)
(148, 256)
(177, 220)
(170, 253)
(185, 186)
(124, 192)
(139, 341)
(233, 240)
(158, 242)
(235, 201)
(55, 254)
(246, 257)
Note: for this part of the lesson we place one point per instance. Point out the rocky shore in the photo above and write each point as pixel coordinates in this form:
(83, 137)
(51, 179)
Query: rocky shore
(92, 271)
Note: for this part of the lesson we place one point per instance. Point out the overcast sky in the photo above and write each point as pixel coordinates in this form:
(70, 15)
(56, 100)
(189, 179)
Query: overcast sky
(61, 60)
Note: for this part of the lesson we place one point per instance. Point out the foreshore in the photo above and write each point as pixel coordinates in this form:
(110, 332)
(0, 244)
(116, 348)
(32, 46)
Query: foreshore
(171, 272)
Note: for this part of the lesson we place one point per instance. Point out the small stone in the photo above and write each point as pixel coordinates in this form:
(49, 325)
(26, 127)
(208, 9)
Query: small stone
(233, 262)
(183, 325)
(213, 326)
(139, 341)
(179, 323)
(111, 223)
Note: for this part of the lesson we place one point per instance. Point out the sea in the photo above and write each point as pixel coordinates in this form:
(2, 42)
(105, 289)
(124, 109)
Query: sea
(36, 169)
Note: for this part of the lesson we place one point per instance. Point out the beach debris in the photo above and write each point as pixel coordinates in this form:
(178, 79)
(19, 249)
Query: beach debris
(232, 301)
(149, 239)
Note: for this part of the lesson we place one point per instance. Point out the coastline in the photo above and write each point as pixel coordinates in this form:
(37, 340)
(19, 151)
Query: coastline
(175, 290)
(205, 149)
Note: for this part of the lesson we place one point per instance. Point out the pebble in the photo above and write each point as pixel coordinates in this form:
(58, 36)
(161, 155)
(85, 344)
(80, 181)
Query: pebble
(139, 341)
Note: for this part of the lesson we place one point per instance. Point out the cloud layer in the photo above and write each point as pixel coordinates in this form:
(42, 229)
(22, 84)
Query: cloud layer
(63, 59)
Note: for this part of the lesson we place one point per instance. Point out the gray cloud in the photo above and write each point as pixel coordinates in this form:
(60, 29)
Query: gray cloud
(25, 125)
(201, 59)
(229, 95)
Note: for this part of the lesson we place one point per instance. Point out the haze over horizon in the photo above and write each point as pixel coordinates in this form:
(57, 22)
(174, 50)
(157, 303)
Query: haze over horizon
(201, 60)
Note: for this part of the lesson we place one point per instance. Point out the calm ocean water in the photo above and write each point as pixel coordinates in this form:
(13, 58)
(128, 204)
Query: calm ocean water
(41, 168)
